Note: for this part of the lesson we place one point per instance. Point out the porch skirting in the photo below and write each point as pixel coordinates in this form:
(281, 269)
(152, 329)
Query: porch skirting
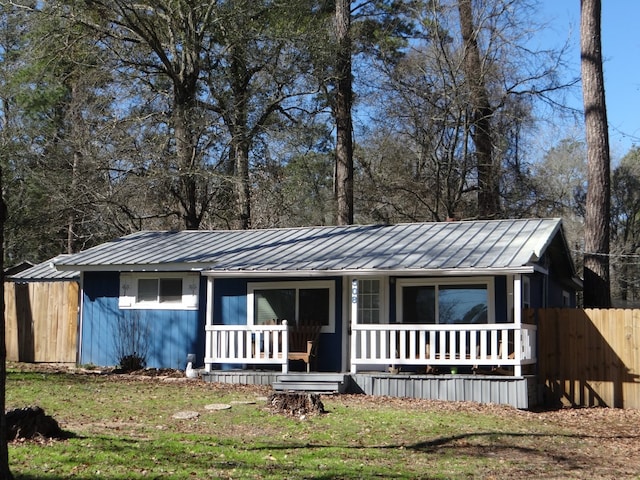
(519, 392)
(241, 377)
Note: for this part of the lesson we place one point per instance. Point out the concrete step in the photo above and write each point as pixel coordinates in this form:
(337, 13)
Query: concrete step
(312, 377)
(329, 387)
(311, 382)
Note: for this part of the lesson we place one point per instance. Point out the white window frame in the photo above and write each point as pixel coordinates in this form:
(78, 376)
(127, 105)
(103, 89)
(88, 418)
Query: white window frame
(319, 284)
(488, 282)
(129, 291)
(382, 296)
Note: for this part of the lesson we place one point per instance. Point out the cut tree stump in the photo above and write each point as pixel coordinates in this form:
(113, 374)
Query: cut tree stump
(296, 404)
(31, 422)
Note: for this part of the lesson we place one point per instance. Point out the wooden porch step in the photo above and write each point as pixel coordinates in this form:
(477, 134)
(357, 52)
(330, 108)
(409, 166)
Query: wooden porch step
(311, 382)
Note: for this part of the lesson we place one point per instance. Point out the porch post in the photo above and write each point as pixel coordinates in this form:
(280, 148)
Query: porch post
(208, 322)
(354, 321)
(517, 320)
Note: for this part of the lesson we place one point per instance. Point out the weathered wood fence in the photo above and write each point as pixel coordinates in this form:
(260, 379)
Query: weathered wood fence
(590, 357)
(41, 321)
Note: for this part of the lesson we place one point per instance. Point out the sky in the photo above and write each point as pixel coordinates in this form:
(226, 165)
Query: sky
(621, 53)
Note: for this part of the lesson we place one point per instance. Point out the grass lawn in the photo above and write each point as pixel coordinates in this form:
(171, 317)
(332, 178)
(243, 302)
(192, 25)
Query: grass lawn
(123, 427)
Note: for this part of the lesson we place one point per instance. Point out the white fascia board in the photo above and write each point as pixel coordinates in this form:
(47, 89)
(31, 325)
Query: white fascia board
(466, 272)
(206, 270)
(160, 267)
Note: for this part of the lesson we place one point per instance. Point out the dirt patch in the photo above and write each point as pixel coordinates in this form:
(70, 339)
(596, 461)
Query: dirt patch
(31, 423)
(67, 368)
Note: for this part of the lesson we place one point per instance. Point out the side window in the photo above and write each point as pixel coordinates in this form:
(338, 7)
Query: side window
(155, 291)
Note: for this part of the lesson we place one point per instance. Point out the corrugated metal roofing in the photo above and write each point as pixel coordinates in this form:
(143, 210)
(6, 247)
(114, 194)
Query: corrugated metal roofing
(491, 244)
(45, 271)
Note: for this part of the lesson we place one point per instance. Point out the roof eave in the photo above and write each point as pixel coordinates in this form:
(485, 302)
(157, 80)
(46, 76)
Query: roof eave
(157, 267)
(372, 272)
(209, 270)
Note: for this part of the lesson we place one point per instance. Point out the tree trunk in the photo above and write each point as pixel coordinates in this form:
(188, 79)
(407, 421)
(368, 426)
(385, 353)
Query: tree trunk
(5, 472)
(488, 186)
(243, 191)
(342, 112)
(187, 192)
(76, 121)
(238, 128)
(597, 291)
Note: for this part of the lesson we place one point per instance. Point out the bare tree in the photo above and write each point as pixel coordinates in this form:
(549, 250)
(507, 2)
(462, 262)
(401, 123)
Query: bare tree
(453, 113)
(597, 290)
(5, 471)
(481, 116)
(625, 229)
(342, 113)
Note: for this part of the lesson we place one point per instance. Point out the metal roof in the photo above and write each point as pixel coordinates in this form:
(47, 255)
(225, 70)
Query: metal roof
(45, 271)
(413, 247)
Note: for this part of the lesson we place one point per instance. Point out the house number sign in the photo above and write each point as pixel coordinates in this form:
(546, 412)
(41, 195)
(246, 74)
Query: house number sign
(354, 291)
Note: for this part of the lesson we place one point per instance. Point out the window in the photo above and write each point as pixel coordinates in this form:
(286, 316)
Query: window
(526, 292)
(566, 299)
(450, 301)
(157, 291)
(369, 295)
(300, 303)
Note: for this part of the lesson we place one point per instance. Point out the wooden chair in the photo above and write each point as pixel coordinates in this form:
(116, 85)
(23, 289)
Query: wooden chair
(303, 340)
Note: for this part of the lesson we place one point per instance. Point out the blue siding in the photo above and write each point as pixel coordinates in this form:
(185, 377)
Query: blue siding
(172, 334)
(230, 302)
(536, 290)
(500, 300)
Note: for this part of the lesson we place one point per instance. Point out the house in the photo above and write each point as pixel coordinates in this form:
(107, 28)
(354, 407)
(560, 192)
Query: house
(409, 299)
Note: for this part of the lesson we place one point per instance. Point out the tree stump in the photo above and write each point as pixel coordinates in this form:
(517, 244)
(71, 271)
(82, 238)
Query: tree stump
(31, 422)
(296, 404)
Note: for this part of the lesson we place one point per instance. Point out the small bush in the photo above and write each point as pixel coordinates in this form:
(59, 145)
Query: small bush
(132, 363)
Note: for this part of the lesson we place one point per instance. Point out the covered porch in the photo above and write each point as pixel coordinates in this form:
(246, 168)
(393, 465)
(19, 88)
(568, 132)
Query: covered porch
(383, 347)
(480, 363)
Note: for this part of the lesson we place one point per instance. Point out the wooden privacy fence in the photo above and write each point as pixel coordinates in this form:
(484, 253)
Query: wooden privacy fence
(41, 321)
(590, 357)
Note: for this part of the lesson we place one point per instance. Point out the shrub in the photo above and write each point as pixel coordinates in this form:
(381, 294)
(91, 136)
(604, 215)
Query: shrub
(132, 362)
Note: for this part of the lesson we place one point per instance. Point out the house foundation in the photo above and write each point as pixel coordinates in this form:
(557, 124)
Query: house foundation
(518, 392)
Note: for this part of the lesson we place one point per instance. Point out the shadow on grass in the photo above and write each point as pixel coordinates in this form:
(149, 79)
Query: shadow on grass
(504, 445)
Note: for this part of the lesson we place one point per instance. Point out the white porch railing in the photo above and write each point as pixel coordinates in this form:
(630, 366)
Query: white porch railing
(246, 344)
(502, 344)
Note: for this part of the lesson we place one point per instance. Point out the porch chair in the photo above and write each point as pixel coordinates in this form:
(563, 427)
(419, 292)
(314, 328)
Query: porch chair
(303, 340)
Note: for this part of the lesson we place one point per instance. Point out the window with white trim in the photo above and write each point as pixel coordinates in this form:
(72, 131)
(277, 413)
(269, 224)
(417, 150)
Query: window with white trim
(300, 303)
(159, 291)
(369, 301)
(448, 301)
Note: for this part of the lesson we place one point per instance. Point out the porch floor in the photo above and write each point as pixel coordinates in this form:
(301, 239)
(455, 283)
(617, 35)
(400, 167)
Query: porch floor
(519, 392)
